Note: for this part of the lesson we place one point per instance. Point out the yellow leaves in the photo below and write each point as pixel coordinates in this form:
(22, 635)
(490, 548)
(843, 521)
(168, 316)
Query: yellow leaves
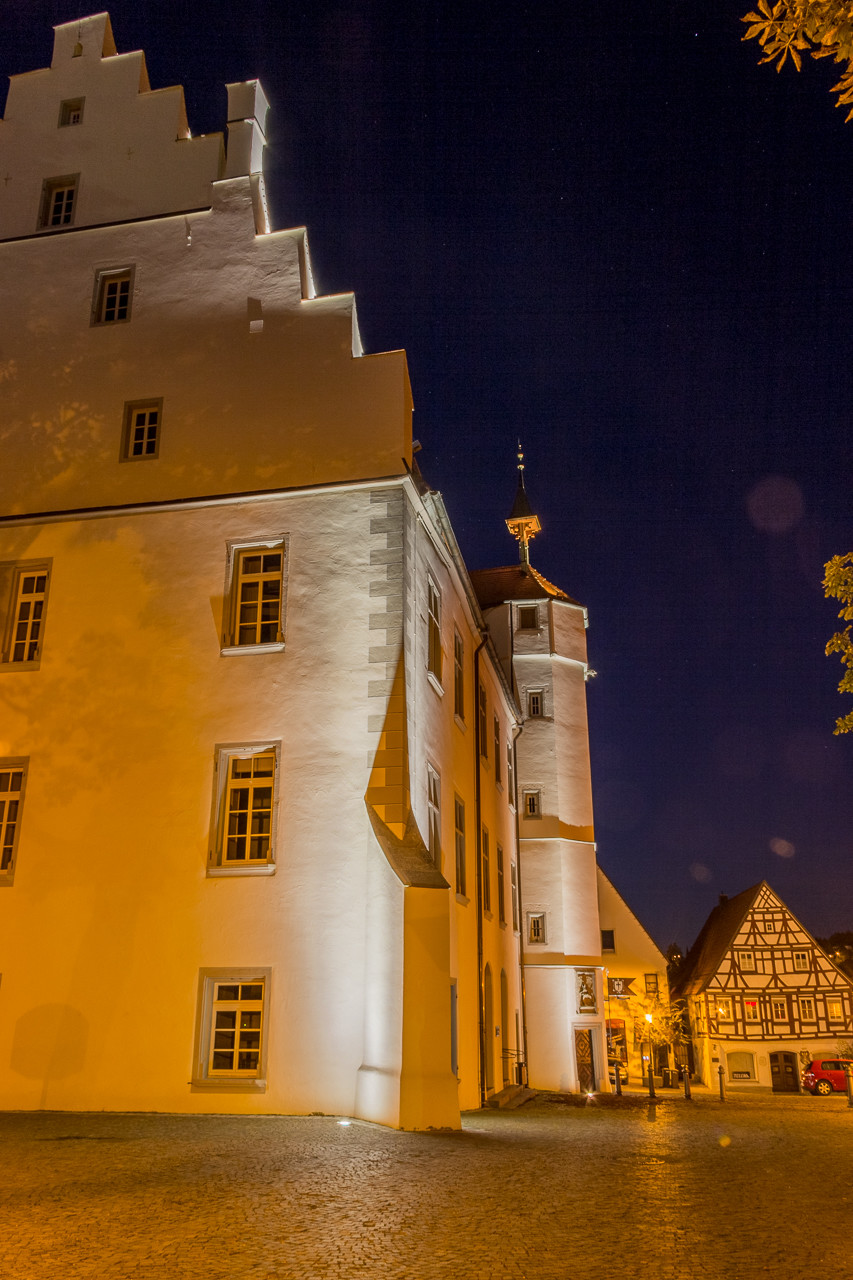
(821, 28)
(838, 583)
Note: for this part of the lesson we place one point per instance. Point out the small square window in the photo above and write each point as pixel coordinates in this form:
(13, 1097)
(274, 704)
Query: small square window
(13, 777)
(608, 940)
(27, 609)
(724, 1009)
(536, 927)
(532, 807)
(58, 199)
(780, 1010)
(746, 960)
(801, 961)
(528, 617)
(534, 703)
(141, 438)
(652, 986)
(245, 808)
(71, 112)
(750, 1011)
(834, 1008)
(807, 1009)
(112, 296)
(232, 1028)
(255, 598)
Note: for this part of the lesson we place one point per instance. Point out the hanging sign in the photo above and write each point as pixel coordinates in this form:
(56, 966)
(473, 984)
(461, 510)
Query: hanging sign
(619, 987)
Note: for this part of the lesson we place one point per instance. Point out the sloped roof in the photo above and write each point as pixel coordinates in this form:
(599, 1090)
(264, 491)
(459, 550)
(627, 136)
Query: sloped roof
(716, 936)
(513, 582)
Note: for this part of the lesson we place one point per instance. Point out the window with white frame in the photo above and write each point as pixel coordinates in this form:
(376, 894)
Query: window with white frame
(458, 676)
(499, 855)
(434, 814)
(433, 630)
(652, 985)
(510, 773)
(245, 808)
(723, 1009)
(459, 834)
(834, 1008)
(58, 198)
(141, 437)
(536, 927)
(750, 1011)
(27, 609)
(232, 1028)
(801, 961)
(779, 1006)
(487, 871)
(513, 880)
(112, 296)
(482, 722)
(746, 960)
(806, 1009)
(13, 777)
(255, 611)
(535, 704)
(531, 804)
(497, 729)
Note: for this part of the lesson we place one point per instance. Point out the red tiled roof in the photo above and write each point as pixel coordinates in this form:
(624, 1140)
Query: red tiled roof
(716, 936)
(513, 582)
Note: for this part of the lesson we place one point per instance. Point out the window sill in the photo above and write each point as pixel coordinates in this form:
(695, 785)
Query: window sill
(228, 1086)
(460, 723)
(462, 899)
(435, 682)
(20, 666)
(262, 869)
(231, 650)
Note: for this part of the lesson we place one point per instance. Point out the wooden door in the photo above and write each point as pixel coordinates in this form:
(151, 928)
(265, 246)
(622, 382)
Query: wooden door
(784, 1073)
(583, 1057)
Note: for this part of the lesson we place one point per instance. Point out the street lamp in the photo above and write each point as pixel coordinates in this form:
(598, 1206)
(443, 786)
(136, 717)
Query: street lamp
(651, 1068)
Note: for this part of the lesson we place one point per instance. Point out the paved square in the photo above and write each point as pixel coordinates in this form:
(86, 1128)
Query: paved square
(759, 1186)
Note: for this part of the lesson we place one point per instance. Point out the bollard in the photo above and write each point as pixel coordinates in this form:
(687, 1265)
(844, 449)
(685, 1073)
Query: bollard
(617, 1078)
(722, 1084)
(652, 1093)
(848, 1071)
(688, 1095)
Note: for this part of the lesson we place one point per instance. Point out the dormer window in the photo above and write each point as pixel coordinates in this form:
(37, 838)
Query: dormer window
(57, 202)
(71, 112)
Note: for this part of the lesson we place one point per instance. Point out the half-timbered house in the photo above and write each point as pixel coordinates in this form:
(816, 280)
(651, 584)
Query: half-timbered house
(762, 997)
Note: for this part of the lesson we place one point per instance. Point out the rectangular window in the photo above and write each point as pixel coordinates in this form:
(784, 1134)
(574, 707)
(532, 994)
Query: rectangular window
(510, 773)
(482, 722)
(458, 676)
(536, 927)
(497, 728)
(807, 1009)
(13, 775)
(256, 594)
(501, 889)
(513, 880)
(532, 807)
(57, 201)
(724, 1009)
(25, 629)
(460, 846)
(834, 1009)
(746, 960)
(245, 809)
(113, 292)
(487, 878)
(232, 1028)
(528, 617)
(534, 703)
(71, 112)
(608, 940)
(780, 1010)
(651, 984)
(433, 630)
(434, 808)
(750, 1011)
(801, 961)
(141, 437)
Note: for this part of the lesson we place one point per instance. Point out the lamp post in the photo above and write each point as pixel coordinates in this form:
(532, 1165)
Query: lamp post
(651, 1067)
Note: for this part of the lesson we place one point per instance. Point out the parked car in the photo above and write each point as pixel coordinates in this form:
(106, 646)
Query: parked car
(823, 1075)
(614, 1065)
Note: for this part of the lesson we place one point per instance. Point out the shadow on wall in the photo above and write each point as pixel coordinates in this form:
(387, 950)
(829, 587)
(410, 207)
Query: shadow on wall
(49, 1044)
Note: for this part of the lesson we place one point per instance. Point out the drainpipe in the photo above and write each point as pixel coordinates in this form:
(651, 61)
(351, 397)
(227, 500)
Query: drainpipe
(484, 1046)
(524, 1071)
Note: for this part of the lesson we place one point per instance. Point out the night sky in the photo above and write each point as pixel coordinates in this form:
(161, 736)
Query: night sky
(631, 246)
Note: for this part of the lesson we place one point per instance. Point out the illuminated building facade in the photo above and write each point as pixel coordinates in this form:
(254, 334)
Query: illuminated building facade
(257, 793)
(762, 997)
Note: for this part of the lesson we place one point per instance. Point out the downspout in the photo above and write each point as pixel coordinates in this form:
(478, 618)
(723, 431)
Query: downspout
(479, 868)
(525, 1073)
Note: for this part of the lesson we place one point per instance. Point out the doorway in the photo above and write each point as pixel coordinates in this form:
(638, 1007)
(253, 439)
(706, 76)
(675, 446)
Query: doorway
(784, 1073)
(584, 1060)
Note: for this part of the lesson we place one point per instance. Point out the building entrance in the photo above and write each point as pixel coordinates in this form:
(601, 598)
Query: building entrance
(784, 1073)
(584, 1059)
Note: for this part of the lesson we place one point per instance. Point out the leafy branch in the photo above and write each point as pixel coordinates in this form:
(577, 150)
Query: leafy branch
(838, 583)
(818, 28)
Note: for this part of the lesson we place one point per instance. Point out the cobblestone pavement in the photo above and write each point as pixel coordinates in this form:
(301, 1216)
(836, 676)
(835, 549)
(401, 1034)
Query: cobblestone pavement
(757, 1186)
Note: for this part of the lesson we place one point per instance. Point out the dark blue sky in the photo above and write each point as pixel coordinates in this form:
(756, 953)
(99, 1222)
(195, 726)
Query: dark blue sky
(631, 247)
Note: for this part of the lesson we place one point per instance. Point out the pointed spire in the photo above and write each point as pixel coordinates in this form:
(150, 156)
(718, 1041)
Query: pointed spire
(522, 523)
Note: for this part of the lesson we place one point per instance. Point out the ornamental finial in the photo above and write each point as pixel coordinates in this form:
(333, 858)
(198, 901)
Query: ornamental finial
(522, 523)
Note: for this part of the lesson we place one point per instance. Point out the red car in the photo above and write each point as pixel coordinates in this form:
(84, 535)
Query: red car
(824, 1075)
